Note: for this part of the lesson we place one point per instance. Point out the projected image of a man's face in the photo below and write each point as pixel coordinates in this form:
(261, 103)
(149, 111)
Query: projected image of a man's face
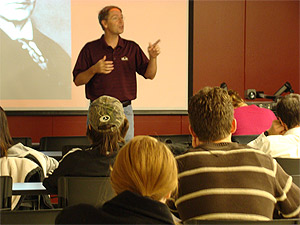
(16, 10)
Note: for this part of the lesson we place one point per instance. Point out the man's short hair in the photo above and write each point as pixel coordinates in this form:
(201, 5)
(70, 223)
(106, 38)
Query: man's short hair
(211, 114)
(288, 110)
(103, 14)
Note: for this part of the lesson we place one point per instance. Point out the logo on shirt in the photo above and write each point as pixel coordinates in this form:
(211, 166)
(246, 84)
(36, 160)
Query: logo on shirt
(124, 58)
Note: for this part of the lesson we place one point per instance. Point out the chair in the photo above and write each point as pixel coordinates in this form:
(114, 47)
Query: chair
(243, 139)
(171, 139)
(242, 222)
(57, 143)
(23, 170)
(290, 165)
(45, 216)
(90, 190)
(5, 192)
(24, 140)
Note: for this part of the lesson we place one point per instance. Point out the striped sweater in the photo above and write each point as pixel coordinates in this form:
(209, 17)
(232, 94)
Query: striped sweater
(232, 181)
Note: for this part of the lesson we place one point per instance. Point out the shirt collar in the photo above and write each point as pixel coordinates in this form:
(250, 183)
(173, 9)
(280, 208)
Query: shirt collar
(9, 28)
(216, 146)
(295, 131)
(121, 42)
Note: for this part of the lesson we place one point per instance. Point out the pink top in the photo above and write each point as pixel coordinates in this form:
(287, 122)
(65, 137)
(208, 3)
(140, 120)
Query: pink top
(253, 120)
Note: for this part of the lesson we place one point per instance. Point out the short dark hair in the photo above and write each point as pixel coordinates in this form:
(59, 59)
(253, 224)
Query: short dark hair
(211, 114)
(102, 15)
(288, 110)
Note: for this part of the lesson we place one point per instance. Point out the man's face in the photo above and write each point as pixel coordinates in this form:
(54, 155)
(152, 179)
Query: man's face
(16, 10)
(114, 23)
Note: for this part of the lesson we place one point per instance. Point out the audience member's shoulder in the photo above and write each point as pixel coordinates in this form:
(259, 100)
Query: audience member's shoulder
(178, 148)
(73, 153)
(79, 214)
(85, 214)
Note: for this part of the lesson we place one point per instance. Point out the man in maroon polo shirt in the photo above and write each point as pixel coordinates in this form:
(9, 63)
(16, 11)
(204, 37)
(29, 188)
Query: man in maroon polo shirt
(108, 66)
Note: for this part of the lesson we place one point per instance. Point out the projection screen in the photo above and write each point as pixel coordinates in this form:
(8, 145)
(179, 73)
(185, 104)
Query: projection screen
(38, 56)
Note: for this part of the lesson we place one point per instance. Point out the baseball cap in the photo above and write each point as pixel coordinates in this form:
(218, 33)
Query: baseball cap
(106, 114)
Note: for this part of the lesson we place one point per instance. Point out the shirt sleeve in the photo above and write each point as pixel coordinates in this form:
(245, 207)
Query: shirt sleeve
(287, 194)
(83, 62)
(276, 145)
(141, 61)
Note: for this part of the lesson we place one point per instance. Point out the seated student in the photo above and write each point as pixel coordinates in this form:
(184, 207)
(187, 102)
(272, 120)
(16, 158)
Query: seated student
(282, 139)
(11, 162)
(107, 129)
(8, 148)
(250, 119)
(222, 180)
(143, 176)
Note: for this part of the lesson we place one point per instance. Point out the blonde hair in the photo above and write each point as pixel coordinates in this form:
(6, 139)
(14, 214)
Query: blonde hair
(145, 166)
(236, 99)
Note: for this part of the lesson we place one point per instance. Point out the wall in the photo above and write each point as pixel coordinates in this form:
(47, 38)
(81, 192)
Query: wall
(247, 44)
(40, 126)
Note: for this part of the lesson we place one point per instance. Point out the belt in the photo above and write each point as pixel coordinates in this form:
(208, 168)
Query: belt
(126, 103)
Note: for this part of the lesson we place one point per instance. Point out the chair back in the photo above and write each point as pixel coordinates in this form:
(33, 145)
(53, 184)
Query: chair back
(243, 222)
(27, 141)
(23, 170)
(176, 138)
(57, 143)
(243, 139)
(5, 192)
(290, 165)
(90, 190)
(45, 216)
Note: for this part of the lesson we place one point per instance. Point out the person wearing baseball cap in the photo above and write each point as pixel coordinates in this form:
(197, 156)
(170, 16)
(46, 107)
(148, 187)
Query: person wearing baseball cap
(106, 130)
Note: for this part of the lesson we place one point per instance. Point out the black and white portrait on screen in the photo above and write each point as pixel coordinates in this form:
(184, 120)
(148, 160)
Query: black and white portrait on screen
(32, 63)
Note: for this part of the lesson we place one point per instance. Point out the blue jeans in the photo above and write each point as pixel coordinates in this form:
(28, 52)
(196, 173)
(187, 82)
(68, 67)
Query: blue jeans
(130, 117)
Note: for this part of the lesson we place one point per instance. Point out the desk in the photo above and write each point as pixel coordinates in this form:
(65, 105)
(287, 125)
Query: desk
(29, 188)
(52, 153)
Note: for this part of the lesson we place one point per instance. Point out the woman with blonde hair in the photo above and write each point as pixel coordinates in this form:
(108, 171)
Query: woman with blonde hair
(143, 176)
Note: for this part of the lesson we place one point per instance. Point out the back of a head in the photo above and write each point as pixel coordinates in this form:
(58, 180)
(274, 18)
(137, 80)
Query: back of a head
(288, 110)
(145, 166)
(107, 124)
(5, 139)
(236, 99)
(211, 114)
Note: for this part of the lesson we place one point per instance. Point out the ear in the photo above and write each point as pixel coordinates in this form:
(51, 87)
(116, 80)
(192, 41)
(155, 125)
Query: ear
(233, 126)
(195, 140)
(283, 124)
(192, 131)
(164, 199)
(104, 23)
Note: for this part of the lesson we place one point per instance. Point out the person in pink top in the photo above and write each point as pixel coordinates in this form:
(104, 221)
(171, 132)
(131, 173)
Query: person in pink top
(251, 119)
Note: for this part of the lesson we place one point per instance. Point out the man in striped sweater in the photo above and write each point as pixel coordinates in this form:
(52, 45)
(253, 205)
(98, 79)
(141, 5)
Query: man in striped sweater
(221, 180)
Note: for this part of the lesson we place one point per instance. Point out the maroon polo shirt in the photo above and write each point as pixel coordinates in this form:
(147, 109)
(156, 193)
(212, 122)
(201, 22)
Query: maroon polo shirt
(128, 58)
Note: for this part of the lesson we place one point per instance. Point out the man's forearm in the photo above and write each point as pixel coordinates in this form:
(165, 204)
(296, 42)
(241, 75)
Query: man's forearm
(151, 69)
(84, 77)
